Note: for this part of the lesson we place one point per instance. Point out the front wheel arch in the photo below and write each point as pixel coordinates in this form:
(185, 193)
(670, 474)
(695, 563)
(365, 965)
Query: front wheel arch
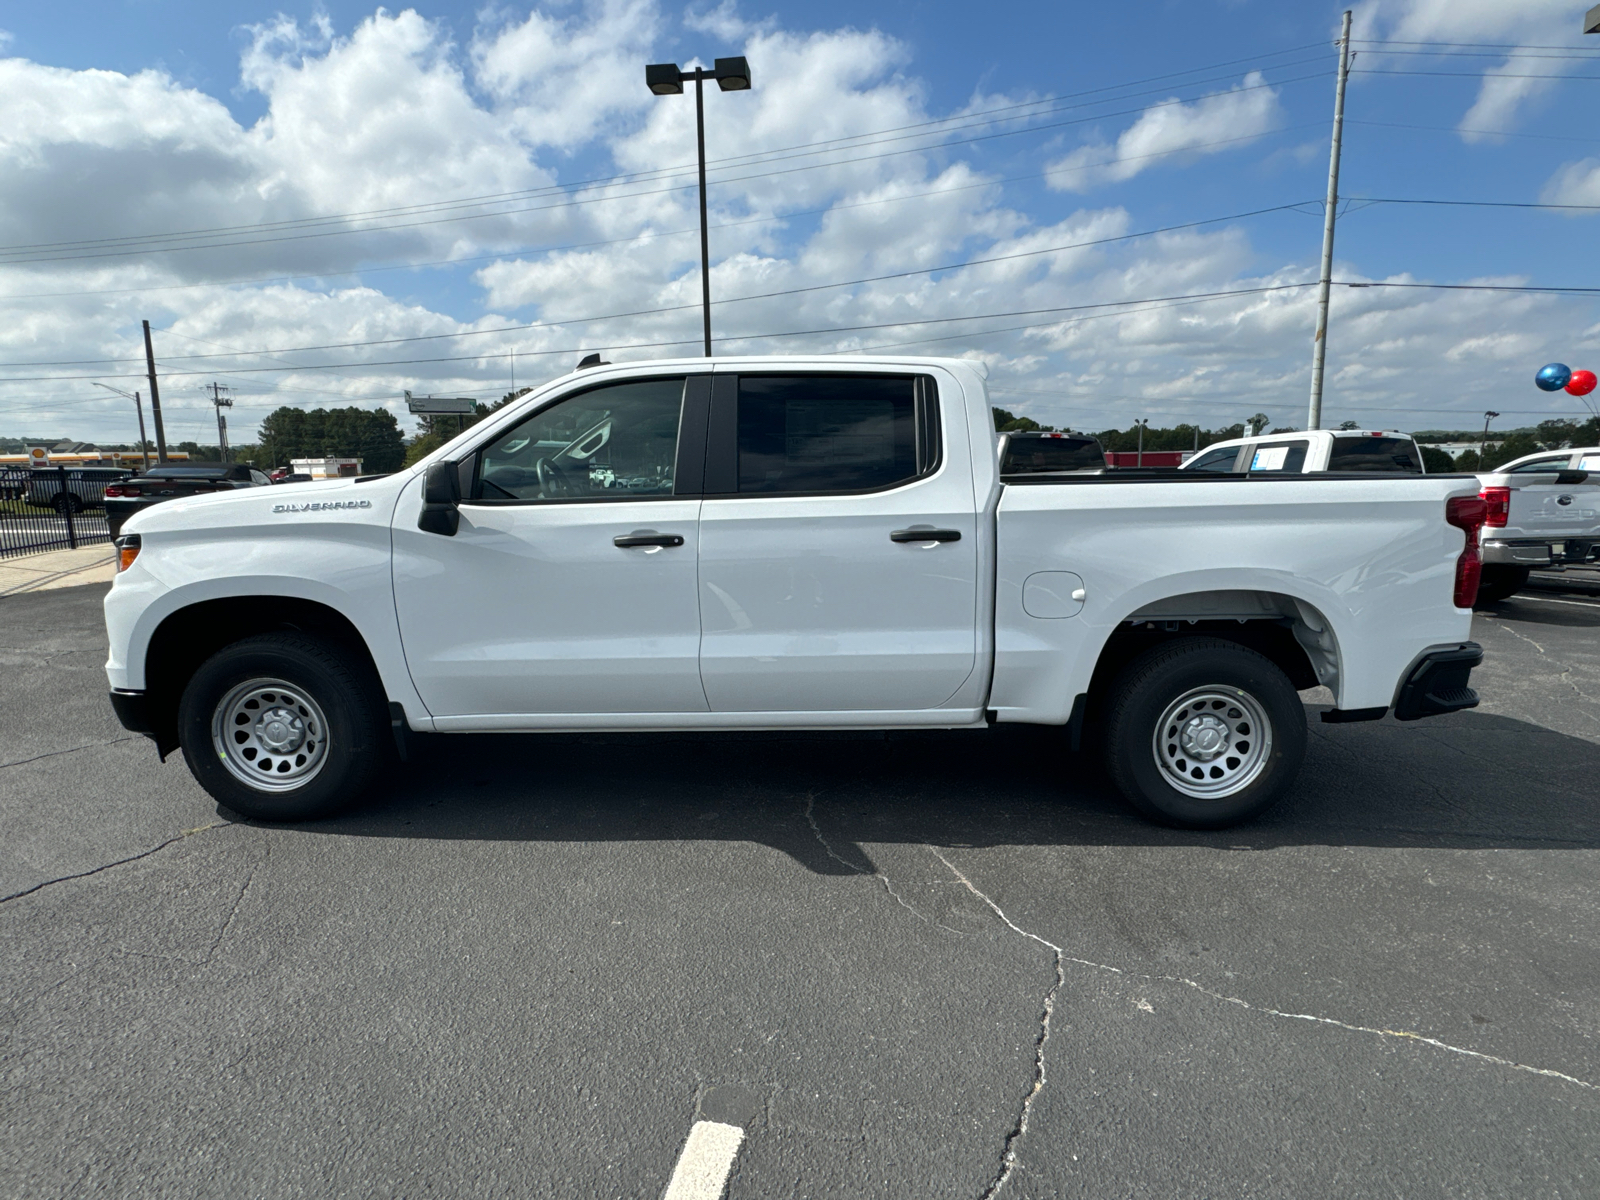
(188, 636)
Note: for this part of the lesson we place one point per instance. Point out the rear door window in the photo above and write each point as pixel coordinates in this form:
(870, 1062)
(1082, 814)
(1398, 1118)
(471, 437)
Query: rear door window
(1279, 456)
(1375, 454)
(829, 434)
(1214, 460)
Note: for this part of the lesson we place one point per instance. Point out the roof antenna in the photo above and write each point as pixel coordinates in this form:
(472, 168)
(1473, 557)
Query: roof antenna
(592, 360)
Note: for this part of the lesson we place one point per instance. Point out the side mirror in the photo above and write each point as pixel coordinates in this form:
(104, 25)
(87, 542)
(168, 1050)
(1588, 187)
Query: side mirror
(441, 492)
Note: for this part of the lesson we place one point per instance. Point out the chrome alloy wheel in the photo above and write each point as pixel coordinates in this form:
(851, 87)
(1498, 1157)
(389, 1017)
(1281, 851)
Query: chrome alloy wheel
(1212, 742)
(270, 735)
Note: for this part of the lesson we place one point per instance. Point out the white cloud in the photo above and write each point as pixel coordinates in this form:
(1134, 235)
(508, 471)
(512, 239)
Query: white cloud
(1574, 183)
(1508, 86)
(1221, 121)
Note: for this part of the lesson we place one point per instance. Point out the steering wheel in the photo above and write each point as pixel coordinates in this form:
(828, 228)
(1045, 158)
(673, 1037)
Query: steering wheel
(553, 480)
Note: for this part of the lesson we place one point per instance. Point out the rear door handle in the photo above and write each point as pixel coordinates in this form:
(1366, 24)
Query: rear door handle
(925, 535)
(647, 538)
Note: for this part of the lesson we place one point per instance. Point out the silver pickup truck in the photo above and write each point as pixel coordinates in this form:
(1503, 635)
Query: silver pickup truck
(1543, 511)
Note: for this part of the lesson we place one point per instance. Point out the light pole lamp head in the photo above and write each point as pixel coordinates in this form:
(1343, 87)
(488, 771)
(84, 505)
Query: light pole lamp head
(664, 79)
(733, 74)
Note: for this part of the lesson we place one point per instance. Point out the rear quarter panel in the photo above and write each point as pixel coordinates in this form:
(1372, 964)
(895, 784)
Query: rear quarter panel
(1373, 556)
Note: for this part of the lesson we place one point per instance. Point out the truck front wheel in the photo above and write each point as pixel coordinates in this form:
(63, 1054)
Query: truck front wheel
(1204, 733)
(282, 727)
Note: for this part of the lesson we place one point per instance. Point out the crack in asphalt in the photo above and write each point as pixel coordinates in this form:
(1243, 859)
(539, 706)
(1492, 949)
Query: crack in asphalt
(156, 849)
(132, 737)
(857, 869)
(1008, 1154)
(1564, 676)
(1403, 1034)
(238, 901)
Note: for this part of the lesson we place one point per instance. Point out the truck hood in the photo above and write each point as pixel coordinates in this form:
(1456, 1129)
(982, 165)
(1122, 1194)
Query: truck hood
(259, 505)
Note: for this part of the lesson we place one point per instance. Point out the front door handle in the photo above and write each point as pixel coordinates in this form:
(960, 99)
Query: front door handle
(646, 537)
(925, 535)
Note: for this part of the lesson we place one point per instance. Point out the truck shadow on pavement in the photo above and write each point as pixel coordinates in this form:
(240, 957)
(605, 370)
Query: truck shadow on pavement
(1468, 781)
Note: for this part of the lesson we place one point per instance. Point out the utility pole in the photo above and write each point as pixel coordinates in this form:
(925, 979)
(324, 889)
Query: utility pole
(1319, 345)
(221, 402)
(155, 397)
(1141, 423)
(1483, 446)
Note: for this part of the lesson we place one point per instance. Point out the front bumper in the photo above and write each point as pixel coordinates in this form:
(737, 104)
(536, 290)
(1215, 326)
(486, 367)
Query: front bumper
(133, 710)
(1437, 684)
(1539, 552)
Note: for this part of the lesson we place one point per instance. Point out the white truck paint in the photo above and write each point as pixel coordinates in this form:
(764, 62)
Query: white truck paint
(758, 610)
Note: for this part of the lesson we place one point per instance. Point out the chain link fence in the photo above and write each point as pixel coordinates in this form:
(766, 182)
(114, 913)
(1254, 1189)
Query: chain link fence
(53, 508)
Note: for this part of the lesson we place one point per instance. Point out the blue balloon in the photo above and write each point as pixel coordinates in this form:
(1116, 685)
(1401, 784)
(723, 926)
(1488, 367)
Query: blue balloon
(1553, 377)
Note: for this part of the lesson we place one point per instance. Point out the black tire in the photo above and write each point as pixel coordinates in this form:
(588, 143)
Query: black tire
(1500, 583)
(66, 502)
(343, 727)
(1235, 691)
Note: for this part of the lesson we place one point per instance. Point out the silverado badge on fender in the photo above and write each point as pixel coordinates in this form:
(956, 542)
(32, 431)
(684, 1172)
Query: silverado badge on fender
(321, 506)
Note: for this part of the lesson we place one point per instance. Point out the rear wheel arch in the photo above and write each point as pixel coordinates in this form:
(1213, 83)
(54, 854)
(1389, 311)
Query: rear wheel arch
(1293, 635)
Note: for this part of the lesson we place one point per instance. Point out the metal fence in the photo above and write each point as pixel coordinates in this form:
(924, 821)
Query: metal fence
(53, 508)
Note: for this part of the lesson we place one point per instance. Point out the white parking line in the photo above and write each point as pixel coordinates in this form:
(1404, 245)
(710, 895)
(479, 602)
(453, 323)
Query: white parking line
(707, 1158)
(1553, 600)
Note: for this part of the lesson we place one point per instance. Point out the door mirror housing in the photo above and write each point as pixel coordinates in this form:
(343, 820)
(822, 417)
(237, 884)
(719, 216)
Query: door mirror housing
(441, 492)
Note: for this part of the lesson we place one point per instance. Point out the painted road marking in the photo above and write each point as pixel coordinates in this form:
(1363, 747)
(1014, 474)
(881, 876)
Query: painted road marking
(1553, 600)
(707, 1158)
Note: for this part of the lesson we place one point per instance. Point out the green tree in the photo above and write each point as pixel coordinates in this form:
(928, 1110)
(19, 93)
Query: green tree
(1349, 425)
(1435, 461)
(372, 435)
(1514, 445)
(1554, 435)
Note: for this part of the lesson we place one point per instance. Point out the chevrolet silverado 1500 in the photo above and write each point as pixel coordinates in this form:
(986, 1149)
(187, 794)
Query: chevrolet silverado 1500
(785, 543)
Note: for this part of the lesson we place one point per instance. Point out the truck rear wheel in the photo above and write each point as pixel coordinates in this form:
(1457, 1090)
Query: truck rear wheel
(1500, 583)
(1204, 733)
(282, 727)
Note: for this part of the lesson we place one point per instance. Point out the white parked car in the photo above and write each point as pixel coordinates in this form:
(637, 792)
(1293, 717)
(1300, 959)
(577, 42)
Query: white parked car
(785, 543)
(1315, 450)
(1544, 512)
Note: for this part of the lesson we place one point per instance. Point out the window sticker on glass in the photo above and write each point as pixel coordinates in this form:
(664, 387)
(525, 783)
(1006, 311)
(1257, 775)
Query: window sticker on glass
(1589, 462)
(1269, 458)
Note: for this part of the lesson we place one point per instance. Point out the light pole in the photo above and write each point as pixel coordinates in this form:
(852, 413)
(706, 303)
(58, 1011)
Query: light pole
(221, 402)
(144, 446)
(1141, 423)
(1483, 446)
(665, 79)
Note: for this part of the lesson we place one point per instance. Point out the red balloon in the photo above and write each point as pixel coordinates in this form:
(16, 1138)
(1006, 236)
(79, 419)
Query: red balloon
(1582, 383)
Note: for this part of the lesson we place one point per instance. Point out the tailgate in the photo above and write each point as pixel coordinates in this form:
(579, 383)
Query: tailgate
(1541, 507)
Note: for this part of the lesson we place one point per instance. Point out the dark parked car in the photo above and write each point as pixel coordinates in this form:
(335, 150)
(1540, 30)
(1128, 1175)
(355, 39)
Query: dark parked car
(171, 480)
(85, 487)
(297, 477)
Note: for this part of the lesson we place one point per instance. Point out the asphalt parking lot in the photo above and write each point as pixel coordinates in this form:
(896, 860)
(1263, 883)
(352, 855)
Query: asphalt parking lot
(910, 966)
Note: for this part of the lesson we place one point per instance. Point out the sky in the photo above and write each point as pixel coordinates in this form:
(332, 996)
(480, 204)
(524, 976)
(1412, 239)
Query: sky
(1116, 208)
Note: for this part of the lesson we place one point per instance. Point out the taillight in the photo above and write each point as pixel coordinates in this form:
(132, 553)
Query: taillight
(1468, 513)
(127, 550)
(1499, 501)
(122, 489)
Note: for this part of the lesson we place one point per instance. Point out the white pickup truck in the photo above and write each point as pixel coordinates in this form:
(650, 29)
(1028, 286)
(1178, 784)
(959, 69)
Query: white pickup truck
(1543, 511)
(784, 543)
(1313, 450)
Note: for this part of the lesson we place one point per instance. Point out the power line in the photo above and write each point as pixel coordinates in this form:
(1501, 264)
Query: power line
(519, 328)
(1472, 74)
(1546, 137)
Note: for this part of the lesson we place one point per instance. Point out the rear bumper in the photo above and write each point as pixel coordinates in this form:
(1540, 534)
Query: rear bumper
(1438, 683)
(1538, 552)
